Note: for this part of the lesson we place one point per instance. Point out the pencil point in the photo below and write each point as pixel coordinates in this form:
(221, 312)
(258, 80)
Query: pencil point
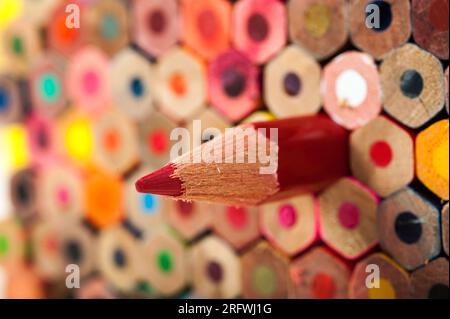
(161, 182)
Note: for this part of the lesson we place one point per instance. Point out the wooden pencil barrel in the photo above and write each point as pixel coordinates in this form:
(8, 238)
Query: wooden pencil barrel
(190, 219)
(21, 44)
(291, 225)
(167, 268)
(318, 274)
(206, 26)
(378, 27)
(431, 281)
(107, 21)
(48, 92)
(382, 156)
(87, 80)
(119, 258)
(154, 139)
(259, 28)
(41, 138)
(61, 38)
(233, 85)
(156, 25)
(180, 85)
(348, 218)
(116, 146)
(319, 26)
(239, 226)
(379, 277)
(265, 273)
(61, 192)
(292, 83)
(216, 269)
(132, 77)
(12, 241)
(351, 89)
(408, 227)
(78, 246)
(412, 82)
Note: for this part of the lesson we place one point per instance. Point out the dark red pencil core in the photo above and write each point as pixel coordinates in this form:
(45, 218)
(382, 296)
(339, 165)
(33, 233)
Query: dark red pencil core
(161, 182)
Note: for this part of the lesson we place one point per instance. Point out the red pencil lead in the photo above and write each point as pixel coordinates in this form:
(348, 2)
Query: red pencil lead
(161, 182)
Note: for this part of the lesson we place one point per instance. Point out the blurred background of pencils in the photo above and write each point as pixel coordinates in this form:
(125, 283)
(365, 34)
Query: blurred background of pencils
(85, 112)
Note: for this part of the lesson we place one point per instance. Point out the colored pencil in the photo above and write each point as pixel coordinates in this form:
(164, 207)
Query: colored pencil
(387, 279)
(265, 273)
(189, 219)
(41, 139)
(259, 28)
(206, 26)
(154, 139)
(348, 212)
(233, 85)
(292, 83)
(156, 25)
(61, 38)
(319, 26)
(239, 226)
(60, 190)
(47, 257)
(408, 227)
(115, 143)
(167, 270)
(412, 81)
(87, 80)
(132, 78)
(102, 213)
(291, 225)
(74, 138)
(312, 152)
(432, 158)
(48, 92)
(20, 42)
(78, 246)
(119, 258)
(382, 156)
(216, 269)
(180, 85)
(431, 281)
(390, 30)
(318, 274)
(351, 89)
(107, 21)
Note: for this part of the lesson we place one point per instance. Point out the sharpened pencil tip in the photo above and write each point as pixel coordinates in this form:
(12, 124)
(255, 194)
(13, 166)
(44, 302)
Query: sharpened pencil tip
(161, 182)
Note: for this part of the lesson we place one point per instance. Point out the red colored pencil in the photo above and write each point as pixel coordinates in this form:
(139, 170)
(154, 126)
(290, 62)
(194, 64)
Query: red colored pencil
(310, 153)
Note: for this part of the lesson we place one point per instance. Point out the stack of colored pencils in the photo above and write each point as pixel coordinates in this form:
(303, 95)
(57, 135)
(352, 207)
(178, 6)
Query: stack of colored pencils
(348, 197)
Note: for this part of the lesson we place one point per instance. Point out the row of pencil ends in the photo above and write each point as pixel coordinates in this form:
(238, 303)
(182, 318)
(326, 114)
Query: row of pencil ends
(305, 247)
